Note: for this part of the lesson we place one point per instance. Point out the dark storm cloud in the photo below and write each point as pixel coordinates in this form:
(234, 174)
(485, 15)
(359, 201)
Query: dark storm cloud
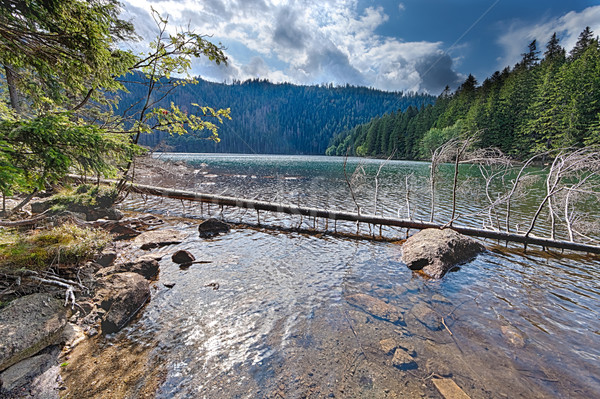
(287, 33)
(331, 65)
(436, 72)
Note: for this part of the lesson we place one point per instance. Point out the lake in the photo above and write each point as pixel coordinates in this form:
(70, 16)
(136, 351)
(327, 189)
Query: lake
(283, 323)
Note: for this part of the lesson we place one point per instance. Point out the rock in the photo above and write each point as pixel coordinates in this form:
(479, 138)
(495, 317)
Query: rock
(436, 251)
(448, 389)
(121, 229)
(28, 325)
(513, 336)
(21, 373)
(376, 307)
(182, 257)
(156, 257)
(426, 316)
(72, 336)
(103, 213)
(441, 299)
(169, 284)
(403, 360)
(121, 295)
(212, 227)
(159, 238)
(102, 210)
(147, 267)
(438, 367)
(106, 258)
(388, 346)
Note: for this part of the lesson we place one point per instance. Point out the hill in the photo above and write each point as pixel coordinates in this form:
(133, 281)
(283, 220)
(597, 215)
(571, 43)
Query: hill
(273, 118)
(544, 102)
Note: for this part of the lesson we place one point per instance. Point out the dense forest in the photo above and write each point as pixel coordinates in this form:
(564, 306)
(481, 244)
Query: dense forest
(273, 118)
(546, 101)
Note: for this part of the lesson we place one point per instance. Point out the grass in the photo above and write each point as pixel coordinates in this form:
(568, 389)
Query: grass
(41, 249)
(84, 196)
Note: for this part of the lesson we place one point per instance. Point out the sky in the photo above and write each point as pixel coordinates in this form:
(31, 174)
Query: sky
(409, 45)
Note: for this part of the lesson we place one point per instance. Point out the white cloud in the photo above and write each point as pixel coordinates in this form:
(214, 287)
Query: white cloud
(401, 7)
(304, 42)
(568, 27)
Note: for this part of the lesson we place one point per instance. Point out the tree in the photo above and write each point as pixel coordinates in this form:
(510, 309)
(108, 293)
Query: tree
(553, 49)
(62, 70)
(530, 57)
(586, 38)
(56, 52)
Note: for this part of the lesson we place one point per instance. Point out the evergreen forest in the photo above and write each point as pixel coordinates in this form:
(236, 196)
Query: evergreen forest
(269, 118)
(548, 100)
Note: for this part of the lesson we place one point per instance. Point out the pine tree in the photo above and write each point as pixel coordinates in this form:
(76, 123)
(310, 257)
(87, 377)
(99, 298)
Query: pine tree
(531, 57)
(553, 49)
(586, 38)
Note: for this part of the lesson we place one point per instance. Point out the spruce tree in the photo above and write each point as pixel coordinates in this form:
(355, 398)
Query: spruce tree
(586, 38)
(553, 49)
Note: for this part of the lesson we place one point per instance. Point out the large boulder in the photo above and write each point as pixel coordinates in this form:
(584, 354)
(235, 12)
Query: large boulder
(23, 372)
(212, 227)
(28, 325)
(375, 307)
(121, 295)
(436, 251)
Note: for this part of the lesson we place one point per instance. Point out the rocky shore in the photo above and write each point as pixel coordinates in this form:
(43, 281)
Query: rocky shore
(40, 332)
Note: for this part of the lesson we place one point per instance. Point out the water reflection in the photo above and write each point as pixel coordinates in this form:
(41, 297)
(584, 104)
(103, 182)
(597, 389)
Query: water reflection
(280, 325)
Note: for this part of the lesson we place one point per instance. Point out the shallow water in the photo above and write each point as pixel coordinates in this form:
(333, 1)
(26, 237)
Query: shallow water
(281, 323)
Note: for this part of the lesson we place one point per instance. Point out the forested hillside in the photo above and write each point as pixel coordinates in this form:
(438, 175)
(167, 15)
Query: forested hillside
(274, 118)
(546, 101)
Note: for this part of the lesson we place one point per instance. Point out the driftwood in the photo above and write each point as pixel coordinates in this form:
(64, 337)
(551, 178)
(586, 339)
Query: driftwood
(347, 216)
(24, 222)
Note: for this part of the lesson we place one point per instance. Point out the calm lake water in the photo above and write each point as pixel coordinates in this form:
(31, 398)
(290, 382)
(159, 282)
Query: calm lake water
(282, 323)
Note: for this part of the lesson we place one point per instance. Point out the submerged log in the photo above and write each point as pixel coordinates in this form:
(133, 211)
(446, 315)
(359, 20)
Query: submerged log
(348, 216)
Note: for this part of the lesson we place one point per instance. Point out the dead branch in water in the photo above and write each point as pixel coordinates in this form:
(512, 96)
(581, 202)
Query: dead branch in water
(352, 217)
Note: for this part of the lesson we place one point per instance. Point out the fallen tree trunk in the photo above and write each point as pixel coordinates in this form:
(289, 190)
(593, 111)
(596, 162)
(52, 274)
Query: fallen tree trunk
(347, 216)
(24, 222)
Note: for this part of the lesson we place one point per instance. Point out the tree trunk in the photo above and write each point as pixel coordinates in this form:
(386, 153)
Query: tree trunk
(11, 82)
(340, 215)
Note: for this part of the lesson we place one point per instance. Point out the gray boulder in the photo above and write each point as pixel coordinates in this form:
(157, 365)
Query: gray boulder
(212, 227)
(436, 251)
(28, 325)
(23, 372)
(121, 295)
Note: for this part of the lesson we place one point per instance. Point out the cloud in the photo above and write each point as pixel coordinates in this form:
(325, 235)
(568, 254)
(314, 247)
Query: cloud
(436, 72)
(287, 33)
(309, 41)
(401, 7)
(568, 27)
(328, 64)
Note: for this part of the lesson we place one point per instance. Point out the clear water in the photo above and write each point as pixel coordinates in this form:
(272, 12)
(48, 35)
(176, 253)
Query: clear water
(281, 325)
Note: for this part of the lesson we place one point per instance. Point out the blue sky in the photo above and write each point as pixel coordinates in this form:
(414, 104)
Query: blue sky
(410, 45)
